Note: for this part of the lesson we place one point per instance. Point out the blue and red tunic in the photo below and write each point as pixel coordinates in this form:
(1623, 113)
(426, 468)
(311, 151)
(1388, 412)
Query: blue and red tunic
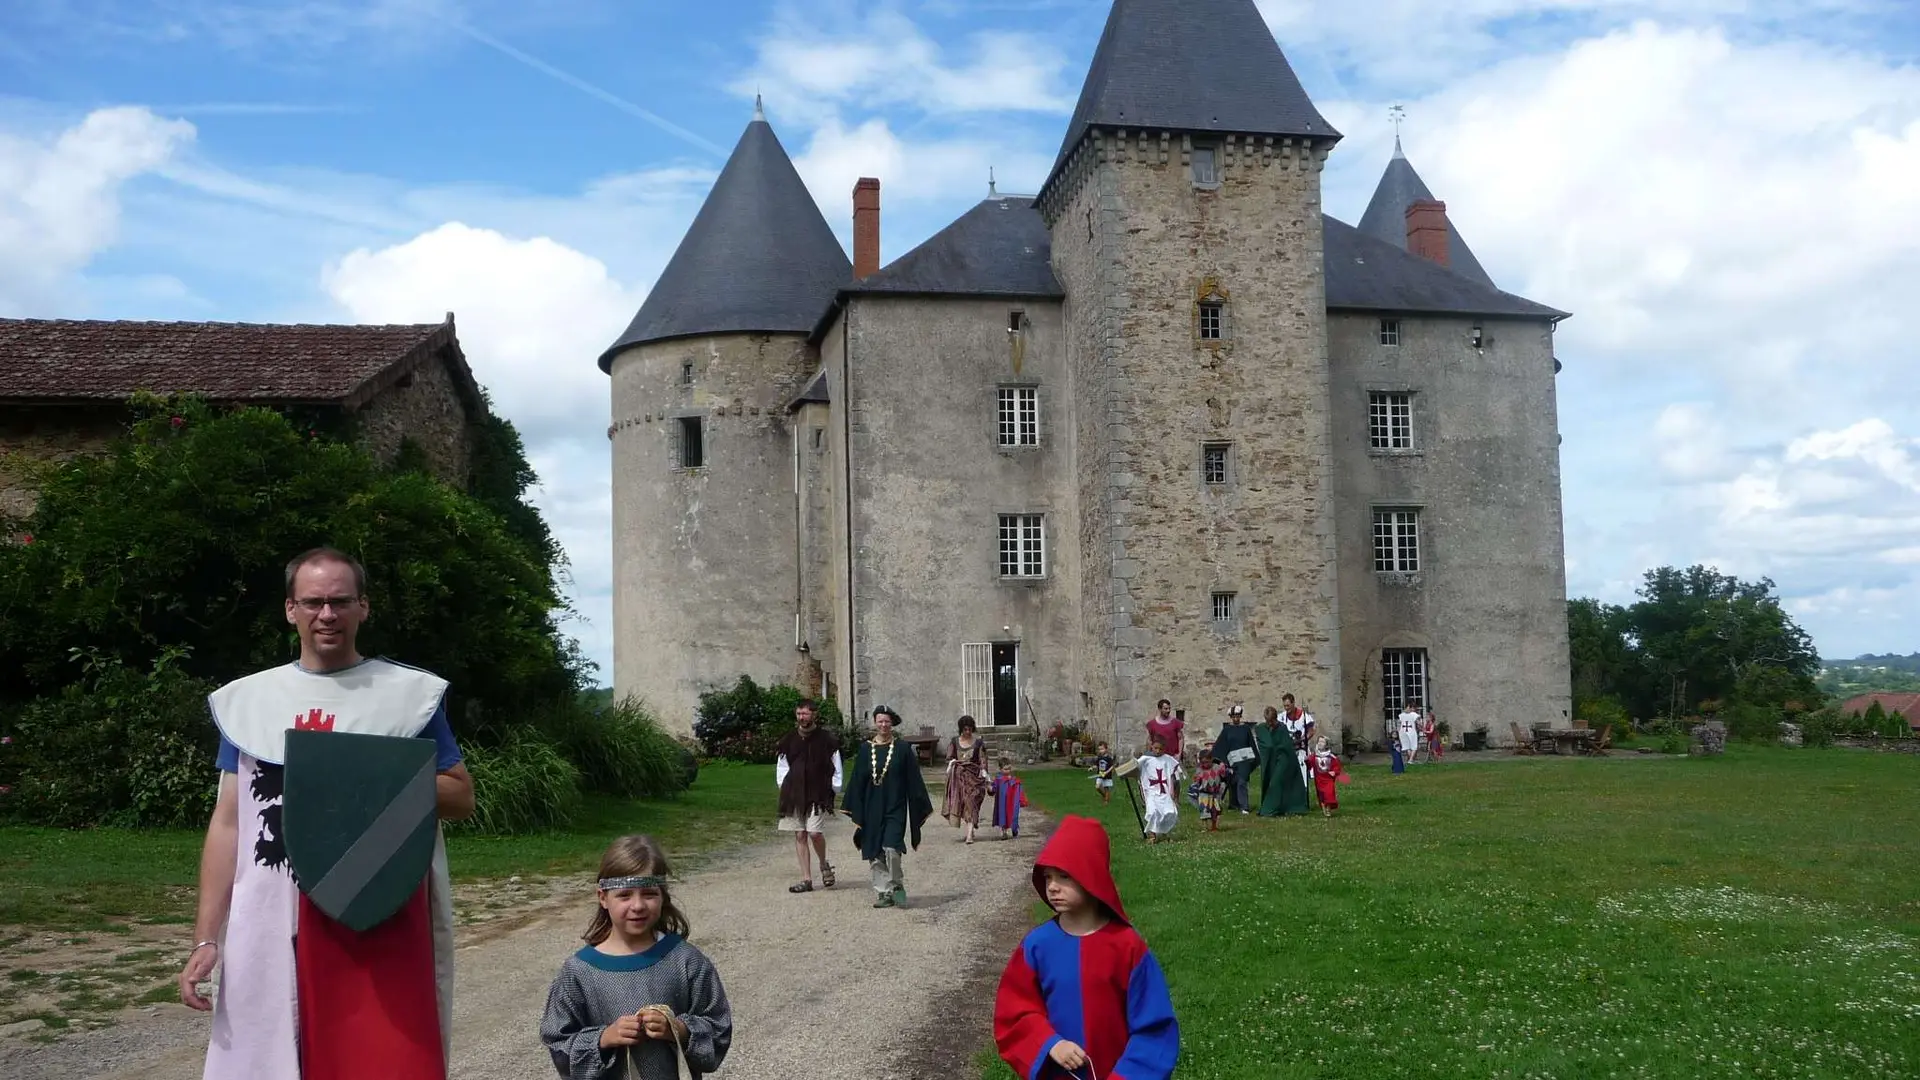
(1103, 991)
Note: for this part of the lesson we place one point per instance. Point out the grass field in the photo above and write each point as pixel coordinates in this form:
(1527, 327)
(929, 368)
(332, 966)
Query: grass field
(82, 880)
(1754, 915)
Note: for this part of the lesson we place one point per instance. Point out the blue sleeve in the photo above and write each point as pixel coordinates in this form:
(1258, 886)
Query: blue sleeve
(229, 756)
(440, 730)
(1153, 1035)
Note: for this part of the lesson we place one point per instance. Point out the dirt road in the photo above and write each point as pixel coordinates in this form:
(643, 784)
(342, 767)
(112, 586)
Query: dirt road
(821, 983)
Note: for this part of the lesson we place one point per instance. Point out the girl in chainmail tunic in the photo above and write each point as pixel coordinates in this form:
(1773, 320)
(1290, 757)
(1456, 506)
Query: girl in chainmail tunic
(639, 995)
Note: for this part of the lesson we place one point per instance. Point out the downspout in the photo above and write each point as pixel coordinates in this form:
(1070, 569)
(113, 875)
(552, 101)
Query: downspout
(846, 461)
(799, 542)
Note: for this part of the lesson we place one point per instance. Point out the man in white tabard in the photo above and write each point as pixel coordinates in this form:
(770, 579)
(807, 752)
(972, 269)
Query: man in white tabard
(248, 899)
(1409, 731)
(1299, 725)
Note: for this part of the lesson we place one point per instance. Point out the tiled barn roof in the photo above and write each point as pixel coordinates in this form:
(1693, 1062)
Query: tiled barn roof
(61, 359)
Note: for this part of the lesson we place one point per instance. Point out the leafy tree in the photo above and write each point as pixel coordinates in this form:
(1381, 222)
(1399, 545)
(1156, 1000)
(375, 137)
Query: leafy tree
(1694, 636)
(179, 536)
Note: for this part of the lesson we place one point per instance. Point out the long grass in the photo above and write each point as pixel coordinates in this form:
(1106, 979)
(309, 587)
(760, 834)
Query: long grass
(1755, 915)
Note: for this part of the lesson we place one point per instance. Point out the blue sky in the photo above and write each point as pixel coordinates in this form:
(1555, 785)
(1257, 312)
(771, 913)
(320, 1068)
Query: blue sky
(1725, 193)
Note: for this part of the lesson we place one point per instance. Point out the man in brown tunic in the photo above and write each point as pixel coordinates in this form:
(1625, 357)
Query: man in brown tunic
(807, 770)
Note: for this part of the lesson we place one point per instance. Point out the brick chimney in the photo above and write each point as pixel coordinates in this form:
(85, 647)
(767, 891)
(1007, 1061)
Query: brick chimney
(866, 227)
(1427, 229)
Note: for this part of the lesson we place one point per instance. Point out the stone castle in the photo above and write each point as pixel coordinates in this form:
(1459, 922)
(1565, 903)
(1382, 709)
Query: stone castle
(1161, 430)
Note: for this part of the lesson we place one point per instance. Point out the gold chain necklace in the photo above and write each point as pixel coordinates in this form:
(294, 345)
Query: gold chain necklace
(880, 774)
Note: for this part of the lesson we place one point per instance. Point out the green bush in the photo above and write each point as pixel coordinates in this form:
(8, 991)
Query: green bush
(1752, 723)
(1598, 712)
(521, 785)
(1817, 728)
(745, 723)
(619, 748)
(118, 747)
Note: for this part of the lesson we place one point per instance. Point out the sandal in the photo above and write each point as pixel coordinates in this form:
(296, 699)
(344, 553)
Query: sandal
(805, 886)
(826, 877)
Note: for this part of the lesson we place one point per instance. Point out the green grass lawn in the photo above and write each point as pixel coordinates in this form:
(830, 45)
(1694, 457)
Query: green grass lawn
(1755, 915)
(98, 878)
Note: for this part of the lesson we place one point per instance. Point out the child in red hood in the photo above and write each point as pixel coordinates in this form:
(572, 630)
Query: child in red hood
(1083, 989)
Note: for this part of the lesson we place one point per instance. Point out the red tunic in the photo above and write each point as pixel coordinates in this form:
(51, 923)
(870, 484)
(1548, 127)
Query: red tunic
(1327, 772)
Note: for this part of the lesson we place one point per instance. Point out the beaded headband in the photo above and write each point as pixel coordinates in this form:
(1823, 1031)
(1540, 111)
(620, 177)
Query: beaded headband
(610, 884)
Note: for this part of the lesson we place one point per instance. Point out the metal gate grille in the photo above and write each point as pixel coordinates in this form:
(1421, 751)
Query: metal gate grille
(976, 682)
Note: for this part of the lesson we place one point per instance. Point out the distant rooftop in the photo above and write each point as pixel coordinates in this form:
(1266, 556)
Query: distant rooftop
(60, 359)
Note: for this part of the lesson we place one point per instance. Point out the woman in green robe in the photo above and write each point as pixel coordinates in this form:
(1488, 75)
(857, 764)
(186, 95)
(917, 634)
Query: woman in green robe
(1282, 791)
(887, 799)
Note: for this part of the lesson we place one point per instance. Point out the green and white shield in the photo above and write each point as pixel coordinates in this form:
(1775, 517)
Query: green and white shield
(359, 815)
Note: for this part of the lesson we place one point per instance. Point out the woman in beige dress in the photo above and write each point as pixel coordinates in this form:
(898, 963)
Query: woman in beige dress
(966, 779)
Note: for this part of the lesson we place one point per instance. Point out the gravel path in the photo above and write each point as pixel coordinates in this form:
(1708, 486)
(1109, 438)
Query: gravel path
(821, 984)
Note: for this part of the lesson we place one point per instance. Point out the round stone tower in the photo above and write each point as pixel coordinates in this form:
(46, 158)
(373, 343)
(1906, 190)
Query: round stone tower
(704, 556)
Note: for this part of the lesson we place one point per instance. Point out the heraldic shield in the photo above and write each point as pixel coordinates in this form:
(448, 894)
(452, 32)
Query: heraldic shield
(359, 816)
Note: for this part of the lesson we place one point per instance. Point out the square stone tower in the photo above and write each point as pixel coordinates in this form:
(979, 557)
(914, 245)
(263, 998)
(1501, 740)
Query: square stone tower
(1186, 222)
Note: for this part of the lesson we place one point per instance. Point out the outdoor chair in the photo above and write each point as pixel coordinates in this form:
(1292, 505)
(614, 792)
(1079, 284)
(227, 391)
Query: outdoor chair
(1602, 741)
(1522, 742)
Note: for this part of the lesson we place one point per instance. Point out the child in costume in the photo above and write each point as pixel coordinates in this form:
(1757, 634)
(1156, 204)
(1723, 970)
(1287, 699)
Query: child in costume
(638, 1000)
(1008, 797)
(1159, 780)
(1210, 789)
(1083, 996)
(1103, 774)
(1327, 772)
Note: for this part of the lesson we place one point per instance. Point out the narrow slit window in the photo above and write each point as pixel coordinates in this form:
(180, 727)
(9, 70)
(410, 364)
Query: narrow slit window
(693, 443)
(1396, 541)
(1390, 421)
(686, 373)
(1016, 321)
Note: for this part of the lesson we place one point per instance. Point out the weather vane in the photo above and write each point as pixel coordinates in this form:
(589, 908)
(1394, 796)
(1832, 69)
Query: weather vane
(1396, 113)
(992, 189)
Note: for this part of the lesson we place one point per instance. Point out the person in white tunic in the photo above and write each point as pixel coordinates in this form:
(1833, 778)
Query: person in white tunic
(1409, 732)
(248, 899)
(1159, 788)
(1299, 725)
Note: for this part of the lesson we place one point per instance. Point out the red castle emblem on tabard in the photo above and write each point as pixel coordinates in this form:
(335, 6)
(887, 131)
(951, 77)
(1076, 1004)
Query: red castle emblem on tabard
(313, 721)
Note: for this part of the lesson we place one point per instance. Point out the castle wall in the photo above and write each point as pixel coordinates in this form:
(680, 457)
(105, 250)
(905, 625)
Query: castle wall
(1489, 600)
(1136, 245)
(51, 433)
(930, 481)
(706, 581)
(817, 502)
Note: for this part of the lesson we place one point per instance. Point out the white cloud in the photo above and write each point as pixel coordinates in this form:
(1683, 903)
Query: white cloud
(532, 315)
(941, 169)
(60, 198)
(883, 59)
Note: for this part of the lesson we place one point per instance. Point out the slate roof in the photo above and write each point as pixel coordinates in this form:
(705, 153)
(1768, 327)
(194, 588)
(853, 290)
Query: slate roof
(1001, 247)
(1386, 216)
(59, 359)
(814, 394)
(759, 256)
(1369, 274)
(1192, 65)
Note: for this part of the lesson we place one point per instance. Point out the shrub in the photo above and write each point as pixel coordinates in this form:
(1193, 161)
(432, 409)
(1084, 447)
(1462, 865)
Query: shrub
(1752, 723)
(1600, 711)
(118, 747)
(1817, 728)
(522, 784)
(619, 748)
(745, 723)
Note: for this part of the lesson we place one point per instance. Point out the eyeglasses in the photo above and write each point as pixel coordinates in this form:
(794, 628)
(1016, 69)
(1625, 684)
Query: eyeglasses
(313, 605)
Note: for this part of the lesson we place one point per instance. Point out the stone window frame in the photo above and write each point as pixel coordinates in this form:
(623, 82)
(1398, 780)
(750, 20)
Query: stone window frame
(1015, 387)
(1224, 609)
(678, 435)
(1382, 403)
(1391, 333)
(1215, 156)
(1228, 471)
(1401, 536)
(1014, 546)
(1210, 292)
(686, 373)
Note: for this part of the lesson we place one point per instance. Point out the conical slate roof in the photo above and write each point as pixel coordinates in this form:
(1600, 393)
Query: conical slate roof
(759, 257)
(1192, 65)
(1386, 216)
(1001, 247)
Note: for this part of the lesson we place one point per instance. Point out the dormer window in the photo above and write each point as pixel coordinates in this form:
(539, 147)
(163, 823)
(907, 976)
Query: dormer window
(1206, 168)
